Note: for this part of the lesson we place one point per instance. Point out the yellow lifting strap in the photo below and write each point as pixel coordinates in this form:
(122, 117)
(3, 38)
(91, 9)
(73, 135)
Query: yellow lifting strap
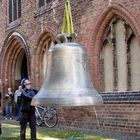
(67, 26)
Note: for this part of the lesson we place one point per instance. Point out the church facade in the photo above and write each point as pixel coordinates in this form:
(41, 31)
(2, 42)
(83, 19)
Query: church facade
(110, 30)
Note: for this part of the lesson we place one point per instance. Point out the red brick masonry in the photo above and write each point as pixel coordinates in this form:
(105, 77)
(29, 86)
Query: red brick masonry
(121, 112)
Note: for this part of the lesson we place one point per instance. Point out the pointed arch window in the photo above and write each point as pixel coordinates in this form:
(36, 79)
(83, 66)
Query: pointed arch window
(43, 2)
(119, 58)
(0, 7)
(14, 10)
(47, 45)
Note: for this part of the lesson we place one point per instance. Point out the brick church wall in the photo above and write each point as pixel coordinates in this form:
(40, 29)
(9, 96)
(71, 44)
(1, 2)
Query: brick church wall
(120, 118)
(90, 18)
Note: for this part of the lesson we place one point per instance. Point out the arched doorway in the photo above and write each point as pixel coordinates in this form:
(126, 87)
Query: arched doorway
(21, 70)
(15, 62)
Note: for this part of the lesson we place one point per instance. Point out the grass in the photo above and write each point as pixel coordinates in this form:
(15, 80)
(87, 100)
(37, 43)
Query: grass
(11, 132)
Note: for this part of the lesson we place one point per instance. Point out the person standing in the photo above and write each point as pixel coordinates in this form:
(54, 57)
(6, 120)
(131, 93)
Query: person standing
(0, 99)
(17, 98)
(27, 111)
(0, 129)
(9, 104)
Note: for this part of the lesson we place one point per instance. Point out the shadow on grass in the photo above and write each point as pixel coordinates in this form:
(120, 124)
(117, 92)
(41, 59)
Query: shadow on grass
(67, 134)
(12, 131)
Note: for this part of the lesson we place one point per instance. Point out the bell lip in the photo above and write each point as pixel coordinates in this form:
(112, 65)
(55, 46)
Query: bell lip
(80, 97)
(82, 101)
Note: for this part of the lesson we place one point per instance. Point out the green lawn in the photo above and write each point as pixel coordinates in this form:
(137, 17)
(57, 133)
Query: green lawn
(11, 132)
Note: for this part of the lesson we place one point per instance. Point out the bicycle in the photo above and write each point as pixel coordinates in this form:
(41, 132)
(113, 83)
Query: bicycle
(47, 115)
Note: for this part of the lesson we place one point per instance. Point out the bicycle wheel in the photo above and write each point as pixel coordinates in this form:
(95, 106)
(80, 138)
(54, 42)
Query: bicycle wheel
(50, 118)
(38, 119)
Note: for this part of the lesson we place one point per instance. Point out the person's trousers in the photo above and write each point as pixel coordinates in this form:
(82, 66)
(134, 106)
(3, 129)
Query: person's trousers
(17, 110)
(26, 117)
(8, 111)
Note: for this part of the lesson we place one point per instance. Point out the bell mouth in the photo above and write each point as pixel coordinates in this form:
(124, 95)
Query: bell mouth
(62, 102)
(67, 100)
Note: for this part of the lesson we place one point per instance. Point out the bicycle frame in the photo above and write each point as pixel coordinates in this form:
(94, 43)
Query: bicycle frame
(45, 114)
(38, 113)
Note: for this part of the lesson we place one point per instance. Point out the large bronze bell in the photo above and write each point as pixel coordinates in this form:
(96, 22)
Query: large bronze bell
(67, 80)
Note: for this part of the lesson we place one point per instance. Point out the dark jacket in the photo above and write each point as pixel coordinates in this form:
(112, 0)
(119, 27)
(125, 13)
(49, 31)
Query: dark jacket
(9, 98)
(26, 98)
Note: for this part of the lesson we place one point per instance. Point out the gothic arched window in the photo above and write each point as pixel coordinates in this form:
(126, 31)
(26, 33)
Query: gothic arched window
(44, 2)
(120, 58)
(47, 45)
(14, 10)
